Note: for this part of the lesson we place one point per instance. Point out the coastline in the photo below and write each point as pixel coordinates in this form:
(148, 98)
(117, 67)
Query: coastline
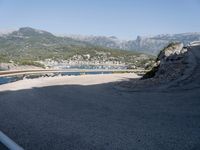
(67, 80)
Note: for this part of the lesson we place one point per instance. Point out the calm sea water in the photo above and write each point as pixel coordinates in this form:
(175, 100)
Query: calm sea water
(4, 80)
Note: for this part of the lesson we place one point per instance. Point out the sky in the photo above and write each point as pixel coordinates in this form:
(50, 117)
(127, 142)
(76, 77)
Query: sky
(122, 18)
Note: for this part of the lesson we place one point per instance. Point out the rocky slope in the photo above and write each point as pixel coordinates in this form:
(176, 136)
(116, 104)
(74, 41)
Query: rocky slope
(170, 63)
(176, 67)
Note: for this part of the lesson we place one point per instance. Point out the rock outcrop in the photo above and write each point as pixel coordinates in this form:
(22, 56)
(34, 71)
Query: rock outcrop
(172, 64)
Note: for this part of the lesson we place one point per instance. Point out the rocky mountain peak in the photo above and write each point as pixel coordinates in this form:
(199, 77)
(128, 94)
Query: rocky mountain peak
(27, 31)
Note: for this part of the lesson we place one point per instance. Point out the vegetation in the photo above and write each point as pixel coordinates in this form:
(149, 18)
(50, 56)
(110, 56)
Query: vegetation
(3, 58)
(30, 63)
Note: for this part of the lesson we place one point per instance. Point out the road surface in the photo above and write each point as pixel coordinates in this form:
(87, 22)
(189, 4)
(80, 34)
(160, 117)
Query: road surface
(46, 71)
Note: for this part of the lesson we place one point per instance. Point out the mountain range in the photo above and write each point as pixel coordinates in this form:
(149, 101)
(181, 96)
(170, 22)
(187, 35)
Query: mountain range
(28, 46)
(151, 45)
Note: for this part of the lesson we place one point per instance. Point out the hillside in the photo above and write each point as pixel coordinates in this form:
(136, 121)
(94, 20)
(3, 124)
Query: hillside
(28, 46)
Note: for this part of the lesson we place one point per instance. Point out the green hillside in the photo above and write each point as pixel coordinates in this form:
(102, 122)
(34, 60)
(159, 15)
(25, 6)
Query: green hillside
(28, 45)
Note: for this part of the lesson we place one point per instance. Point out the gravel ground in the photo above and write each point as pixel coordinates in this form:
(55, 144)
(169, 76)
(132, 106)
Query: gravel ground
(87, 112)
(100, 117)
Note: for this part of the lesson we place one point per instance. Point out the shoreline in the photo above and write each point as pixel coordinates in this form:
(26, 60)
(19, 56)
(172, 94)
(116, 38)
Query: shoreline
(67, 80)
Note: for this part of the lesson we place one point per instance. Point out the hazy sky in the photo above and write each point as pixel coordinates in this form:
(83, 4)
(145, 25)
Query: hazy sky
(123, 18)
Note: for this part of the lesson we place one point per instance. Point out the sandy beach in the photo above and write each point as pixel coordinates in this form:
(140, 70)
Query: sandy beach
(67, 80)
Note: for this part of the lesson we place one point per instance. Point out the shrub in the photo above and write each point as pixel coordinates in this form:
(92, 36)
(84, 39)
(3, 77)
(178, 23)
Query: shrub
(30, 63)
